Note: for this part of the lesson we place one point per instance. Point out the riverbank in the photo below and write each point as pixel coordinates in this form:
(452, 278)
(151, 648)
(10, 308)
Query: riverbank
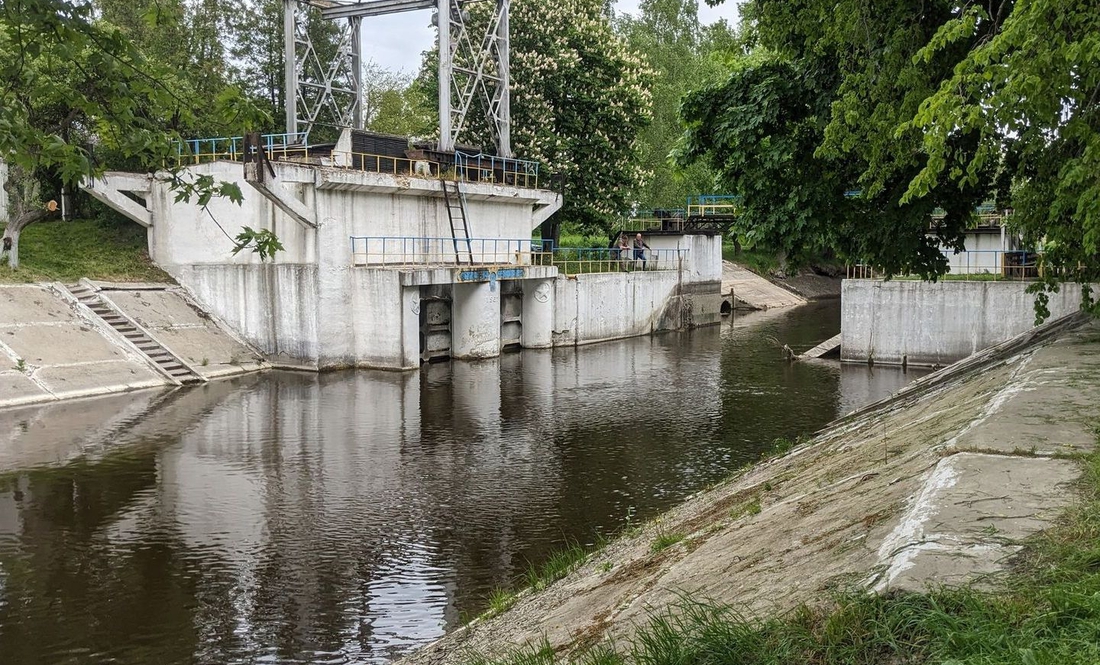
(55, 346)
(943, 483)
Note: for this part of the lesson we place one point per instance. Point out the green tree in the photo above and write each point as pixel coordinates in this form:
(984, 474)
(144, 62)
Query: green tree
(807, 130)
(683, 55)
(393, 105)
(69, 83)
(1027, 92)
(910, 107)
(580, 98)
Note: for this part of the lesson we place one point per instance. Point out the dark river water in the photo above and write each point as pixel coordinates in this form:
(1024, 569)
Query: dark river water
(349, 517)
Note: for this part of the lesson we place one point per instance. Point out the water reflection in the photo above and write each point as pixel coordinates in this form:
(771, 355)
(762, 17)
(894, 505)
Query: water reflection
(349, 517)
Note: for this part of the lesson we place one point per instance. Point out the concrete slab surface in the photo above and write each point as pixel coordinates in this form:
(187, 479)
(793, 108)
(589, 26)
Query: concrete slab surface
(186, 331)
(754, 290)
(64, 351)
(97, 378)
(31, 303)
(973, 514)
(41, 345)
(18, 388)
(156, 309)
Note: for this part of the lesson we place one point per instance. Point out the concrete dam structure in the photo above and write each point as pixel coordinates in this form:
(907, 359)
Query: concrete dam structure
(389, 262)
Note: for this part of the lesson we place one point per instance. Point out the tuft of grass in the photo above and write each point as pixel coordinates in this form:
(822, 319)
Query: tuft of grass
(113, 251)
(665, 540)
(1046, 613)
(500, 600)
(749, 508)
(557, 565)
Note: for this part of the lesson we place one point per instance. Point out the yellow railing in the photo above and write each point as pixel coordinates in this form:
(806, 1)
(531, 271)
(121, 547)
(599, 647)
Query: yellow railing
(705, 209)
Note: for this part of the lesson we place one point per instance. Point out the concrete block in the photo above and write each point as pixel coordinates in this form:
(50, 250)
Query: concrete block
(937, 324)
(538, 313)
(97, 378)
(53, 345)
(475, 326)
(32, 304)
(18, 388)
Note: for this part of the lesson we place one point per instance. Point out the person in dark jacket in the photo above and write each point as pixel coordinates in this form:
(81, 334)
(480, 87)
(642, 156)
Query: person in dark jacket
(639, 249)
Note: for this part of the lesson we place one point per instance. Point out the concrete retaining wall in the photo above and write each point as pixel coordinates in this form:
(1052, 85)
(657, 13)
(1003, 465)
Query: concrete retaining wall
(922, 323)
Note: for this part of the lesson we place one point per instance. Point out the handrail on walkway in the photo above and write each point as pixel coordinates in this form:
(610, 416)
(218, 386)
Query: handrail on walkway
(973, 265)
(410, 251)
(480, 168)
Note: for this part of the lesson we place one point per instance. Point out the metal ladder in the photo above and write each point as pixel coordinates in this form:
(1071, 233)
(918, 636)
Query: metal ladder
(455, 201)
(163, 359)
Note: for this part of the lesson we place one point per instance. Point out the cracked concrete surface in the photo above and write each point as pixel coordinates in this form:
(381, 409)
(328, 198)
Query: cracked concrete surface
(938, 485)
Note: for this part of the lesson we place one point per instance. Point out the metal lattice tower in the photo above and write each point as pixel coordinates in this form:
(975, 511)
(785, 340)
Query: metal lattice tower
(473, 65)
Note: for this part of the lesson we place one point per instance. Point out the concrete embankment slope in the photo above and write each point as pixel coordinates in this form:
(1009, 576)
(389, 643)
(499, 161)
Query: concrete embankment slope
(939, 484)
(53, 347)
(753, 291)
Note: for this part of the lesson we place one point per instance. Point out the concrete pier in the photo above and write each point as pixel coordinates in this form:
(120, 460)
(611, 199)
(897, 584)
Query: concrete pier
(476, 316)
(538, 313)
(934, 324)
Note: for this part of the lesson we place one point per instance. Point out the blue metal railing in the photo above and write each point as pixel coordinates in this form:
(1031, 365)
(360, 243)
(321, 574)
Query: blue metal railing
(381, 251)
(490, 168)
(580, 260)
(232, 147)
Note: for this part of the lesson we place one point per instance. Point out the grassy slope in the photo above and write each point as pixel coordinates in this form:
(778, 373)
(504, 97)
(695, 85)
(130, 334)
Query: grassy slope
(1046, 613)
(66, 251)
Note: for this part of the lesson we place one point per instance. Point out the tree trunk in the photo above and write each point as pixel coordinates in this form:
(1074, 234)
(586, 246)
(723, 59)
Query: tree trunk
(10, 241)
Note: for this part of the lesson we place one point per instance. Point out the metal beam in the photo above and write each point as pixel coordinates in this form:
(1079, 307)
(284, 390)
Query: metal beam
(290, 70)
(376, 8)
(446, 63)
(474, 69)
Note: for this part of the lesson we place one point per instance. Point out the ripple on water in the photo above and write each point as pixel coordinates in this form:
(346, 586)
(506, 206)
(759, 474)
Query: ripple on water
(349, 517)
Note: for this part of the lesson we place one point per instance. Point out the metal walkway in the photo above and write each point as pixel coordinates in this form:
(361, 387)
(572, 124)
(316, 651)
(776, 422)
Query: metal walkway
(157, 354)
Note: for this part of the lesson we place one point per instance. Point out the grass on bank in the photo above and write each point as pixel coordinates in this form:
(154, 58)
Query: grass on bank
(1047, 612)
(108, 250)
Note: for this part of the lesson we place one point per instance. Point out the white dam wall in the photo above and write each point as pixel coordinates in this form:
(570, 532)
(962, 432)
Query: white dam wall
(369, 274)
(924, 323)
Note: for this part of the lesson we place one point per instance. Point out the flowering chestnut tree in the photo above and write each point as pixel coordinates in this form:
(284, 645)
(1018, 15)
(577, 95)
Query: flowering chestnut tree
(580, 99)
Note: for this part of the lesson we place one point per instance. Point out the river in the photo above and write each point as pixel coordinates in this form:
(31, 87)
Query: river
(349, 517)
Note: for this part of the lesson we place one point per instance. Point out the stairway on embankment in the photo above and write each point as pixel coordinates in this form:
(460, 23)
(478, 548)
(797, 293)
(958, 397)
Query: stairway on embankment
(158, 355)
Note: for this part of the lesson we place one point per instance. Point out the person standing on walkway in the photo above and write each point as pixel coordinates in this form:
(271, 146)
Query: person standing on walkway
(622, 254)
(639, 249)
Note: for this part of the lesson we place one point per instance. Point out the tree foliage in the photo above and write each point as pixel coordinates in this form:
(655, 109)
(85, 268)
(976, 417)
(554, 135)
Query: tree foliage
(852, 120)
(580, 98)
(77, 94)
(683, 55)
